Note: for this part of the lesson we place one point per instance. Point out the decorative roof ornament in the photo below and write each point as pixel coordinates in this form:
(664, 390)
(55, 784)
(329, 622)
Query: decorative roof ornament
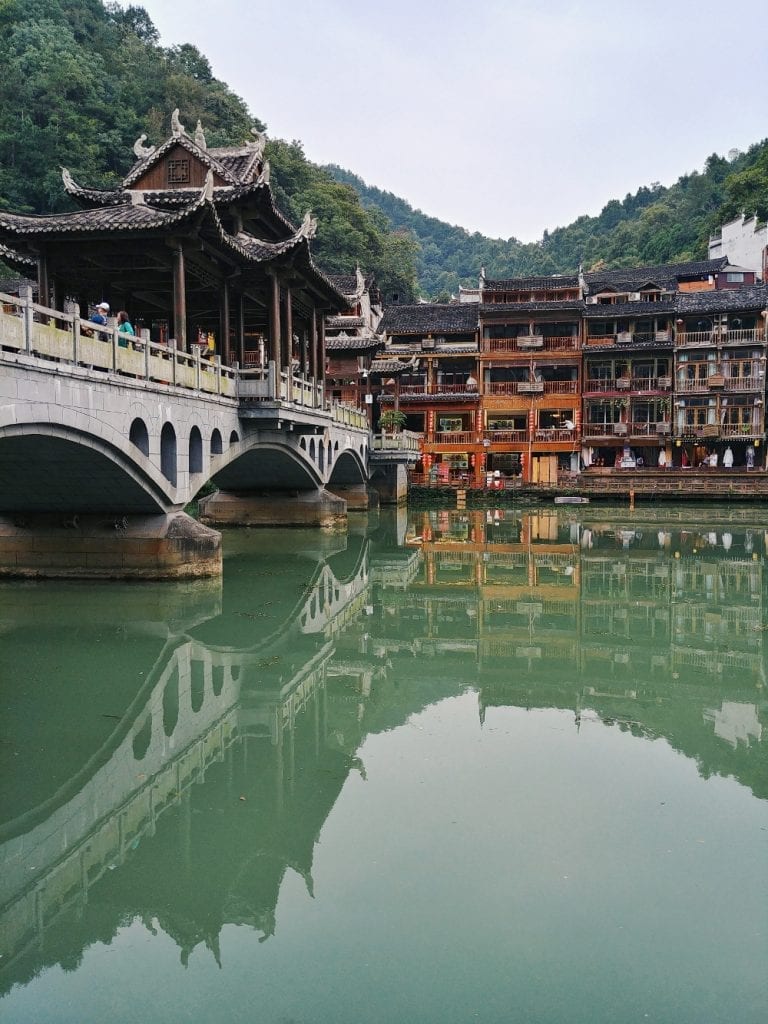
(177, 128)
(140, 150)
(263, 178)
(308, 227)
(69, 181)
(200, 136)
(260, 142)
(207, 194)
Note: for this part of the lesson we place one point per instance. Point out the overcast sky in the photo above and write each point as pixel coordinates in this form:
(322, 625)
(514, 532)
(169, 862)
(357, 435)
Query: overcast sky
(504, 116)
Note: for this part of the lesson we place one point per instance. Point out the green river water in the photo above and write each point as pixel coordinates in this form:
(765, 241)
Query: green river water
(499, 767)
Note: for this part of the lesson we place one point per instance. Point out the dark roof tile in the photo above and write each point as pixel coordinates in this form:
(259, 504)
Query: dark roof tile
(725, 300)
(550, 282)
(429, 318)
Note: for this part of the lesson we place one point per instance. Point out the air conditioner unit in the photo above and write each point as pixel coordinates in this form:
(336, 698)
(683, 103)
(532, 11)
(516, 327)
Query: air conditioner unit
(634, 296)
(428, 343)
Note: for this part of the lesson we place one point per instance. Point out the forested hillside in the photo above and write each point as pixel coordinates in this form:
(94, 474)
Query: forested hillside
(655, 225)
(81, 80)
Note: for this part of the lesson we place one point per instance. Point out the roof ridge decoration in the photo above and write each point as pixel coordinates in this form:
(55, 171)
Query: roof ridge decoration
(263, 178)
(259, 142)
(308, 228)
(200, 136)
(140, 150)
(177, 128)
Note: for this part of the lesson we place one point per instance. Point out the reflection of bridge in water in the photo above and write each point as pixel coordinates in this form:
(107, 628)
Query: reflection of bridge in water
(267, 693)
(199, 702)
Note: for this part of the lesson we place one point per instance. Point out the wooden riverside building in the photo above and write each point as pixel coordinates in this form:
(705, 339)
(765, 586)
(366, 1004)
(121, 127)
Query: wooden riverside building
(192, 245)
(547, 376)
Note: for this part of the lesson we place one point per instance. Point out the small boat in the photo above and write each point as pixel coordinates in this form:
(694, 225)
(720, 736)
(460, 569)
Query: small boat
(571, 499)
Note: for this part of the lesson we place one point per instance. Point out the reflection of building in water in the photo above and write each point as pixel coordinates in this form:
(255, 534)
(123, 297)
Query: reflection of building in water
(644, 625)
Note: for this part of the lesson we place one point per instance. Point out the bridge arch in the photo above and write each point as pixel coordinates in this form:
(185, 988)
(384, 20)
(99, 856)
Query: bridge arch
(284, 466)
(49, 467)
(168, 454)
(349, 468)
(195, 450)
(139, 435)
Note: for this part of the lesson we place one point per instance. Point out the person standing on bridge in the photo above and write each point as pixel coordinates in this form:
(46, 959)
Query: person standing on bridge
(124, 328)
(100, 314)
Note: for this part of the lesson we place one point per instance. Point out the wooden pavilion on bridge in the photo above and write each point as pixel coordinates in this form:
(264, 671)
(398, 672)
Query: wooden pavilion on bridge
(192, 245)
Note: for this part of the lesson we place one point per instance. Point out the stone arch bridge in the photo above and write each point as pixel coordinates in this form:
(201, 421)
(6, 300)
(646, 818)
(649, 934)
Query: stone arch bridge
(102, 447)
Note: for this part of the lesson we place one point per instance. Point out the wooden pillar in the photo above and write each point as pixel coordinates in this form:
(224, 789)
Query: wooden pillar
(321, 352)
(43, 290)
(274, 322)
(179, 300)
(288, 334)
(313, 345)
(304, 353)
(240, 328)
(224, 324)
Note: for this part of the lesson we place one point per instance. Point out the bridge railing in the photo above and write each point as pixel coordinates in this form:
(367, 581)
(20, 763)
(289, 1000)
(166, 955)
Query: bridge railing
(64, 337)
(404, 441)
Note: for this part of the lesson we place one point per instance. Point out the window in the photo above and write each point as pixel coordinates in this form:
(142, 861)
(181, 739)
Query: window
(178, 172)
(733, 278)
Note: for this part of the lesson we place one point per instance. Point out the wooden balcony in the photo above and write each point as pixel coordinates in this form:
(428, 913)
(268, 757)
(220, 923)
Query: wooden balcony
(453, 437)
(718, 382)
(529, 345)
(506, 436)
(706, 339)
(539, 387)
(592, 431)
(635, 385)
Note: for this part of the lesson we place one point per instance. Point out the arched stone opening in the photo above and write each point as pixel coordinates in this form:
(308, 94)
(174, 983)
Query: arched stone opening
(168, 466)
(217, 445)
(171, 704)
(139, 435)
(234, 437)
(142, 739)
(195, 451)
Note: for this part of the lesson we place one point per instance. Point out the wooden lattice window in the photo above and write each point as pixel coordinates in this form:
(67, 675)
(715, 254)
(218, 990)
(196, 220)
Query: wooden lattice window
(178, 172)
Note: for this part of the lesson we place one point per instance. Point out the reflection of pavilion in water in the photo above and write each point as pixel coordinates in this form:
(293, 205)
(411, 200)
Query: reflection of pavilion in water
(210, 712)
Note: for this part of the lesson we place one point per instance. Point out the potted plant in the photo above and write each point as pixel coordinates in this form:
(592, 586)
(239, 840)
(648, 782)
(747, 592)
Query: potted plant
(392, 420)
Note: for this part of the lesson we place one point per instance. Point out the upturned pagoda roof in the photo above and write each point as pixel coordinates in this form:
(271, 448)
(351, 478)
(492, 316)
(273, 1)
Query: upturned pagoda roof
(224, 204)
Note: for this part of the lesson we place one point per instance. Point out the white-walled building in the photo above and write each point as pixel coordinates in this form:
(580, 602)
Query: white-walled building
(744, 241)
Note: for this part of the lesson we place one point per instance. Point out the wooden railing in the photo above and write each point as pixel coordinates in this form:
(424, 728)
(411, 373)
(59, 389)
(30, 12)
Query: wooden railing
(529, 345)
(533, 387)
(719, 337)
(454, 437)
(505, 436)
(625, 384)
(407, 390)
(720, 383)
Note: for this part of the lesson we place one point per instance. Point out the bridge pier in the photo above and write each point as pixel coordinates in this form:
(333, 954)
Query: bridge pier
(390, 480)
(355, 495)
(105, 546)
(275, 508)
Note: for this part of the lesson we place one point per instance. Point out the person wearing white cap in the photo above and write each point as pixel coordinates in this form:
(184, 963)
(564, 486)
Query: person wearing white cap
(100, 314)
